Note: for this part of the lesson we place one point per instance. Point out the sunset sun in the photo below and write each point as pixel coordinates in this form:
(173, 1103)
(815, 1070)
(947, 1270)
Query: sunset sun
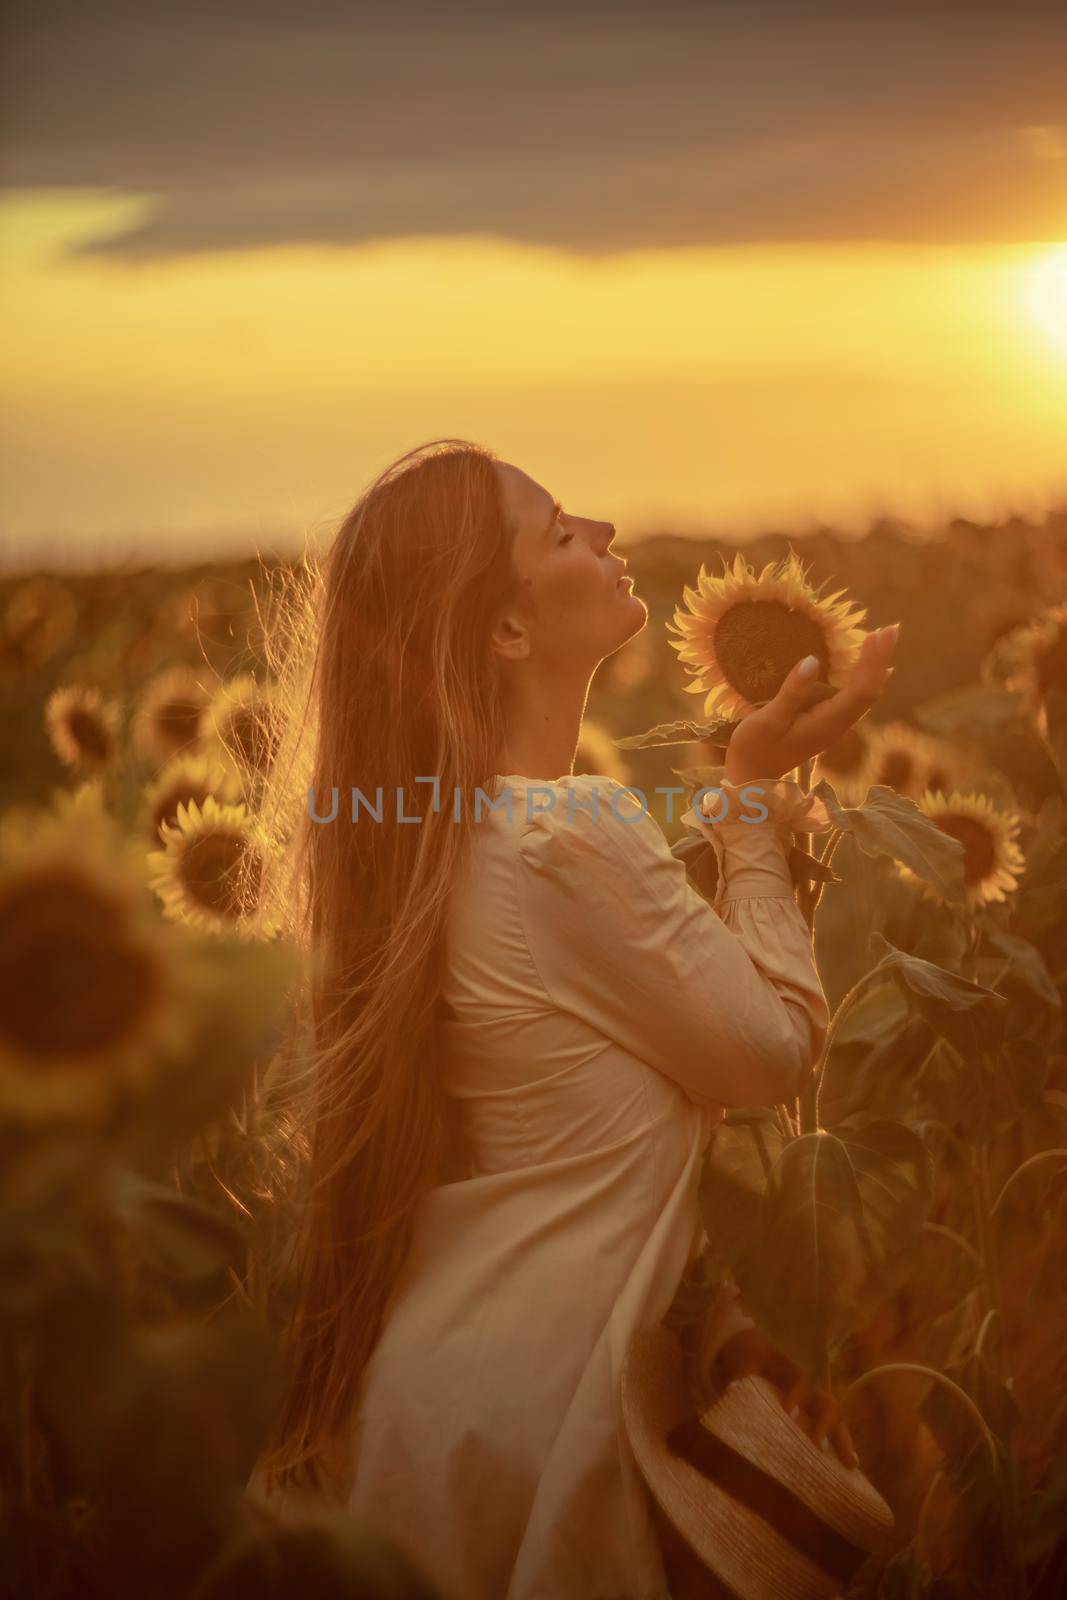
(1046, 294)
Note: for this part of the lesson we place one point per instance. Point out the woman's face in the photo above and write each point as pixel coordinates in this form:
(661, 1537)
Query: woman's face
(577, 606)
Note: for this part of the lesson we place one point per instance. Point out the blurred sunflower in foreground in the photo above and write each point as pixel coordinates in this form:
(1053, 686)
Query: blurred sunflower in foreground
(82, 726)
(244, 725)
(91, 987)
(911, 762)
(743, 633)
(992, 859)
(182, 781)
(211, 870)
(1032, 659)
(598, 752)
(169, 718)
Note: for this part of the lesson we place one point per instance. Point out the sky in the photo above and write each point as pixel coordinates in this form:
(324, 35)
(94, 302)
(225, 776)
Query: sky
(704, 266)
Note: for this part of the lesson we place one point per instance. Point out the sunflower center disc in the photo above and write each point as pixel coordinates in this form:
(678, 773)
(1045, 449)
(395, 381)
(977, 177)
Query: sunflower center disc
(179, 722)
(758, 642)
(896, 770)
(221, 873)
(979, 853)
(846, 754)
(90, 735)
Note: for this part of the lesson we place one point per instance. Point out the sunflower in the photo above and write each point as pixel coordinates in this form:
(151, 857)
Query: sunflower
(82, 726)
(846, 764)
(911, 762)
(211, 870)
(743, 632)
(89, 980)
(1033, 658)
(182, 780)
(244, 723)
(39, 620)
(992, 859)
(597, 752)
(171, 713)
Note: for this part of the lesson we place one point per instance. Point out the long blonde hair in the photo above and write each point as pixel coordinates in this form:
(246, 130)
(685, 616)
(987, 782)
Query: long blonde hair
(398, 683)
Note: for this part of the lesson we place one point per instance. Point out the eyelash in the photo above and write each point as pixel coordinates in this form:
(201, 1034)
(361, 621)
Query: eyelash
(567, 536)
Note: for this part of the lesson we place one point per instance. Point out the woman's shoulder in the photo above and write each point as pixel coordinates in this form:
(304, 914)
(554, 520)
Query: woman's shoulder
(543, 802)
(583, 818)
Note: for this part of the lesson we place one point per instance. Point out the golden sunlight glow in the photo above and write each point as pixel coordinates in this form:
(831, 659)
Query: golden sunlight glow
(164, 404)
(1046, 294)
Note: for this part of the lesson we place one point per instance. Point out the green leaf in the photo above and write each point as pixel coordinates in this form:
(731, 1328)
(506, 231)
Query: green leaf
(889, 824)
(838, 1221)
(1025, 964)
(848, 911)
(683, 732)
(734, 1179)
(968, 1015)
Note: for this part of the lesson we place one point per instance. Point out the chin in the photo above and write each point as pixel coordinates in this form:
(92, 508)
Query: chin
(635, 614)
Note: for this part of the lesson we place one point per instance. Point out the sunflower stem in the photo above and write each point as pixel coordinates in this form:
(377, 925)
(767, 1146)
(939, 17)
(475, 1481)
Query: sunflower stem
(813, 1088)
(993, 1300)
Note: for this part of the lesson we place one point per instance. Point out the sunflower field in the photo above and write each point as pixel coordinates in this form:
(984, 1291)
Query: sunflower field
(901, 1231)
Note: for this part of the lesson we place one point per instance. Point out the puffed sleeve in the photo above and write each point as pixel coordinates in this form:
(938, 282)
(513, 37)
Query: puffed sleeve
(726, 1001)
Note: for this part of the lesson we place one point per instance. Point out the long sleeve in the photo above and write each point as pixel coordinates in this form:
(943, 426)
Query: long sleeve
(726, 1000)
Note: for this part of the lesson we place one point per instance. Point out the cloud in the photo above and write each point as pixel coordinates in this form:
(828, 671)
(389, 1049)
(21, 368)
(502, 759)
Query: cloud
(587, 127)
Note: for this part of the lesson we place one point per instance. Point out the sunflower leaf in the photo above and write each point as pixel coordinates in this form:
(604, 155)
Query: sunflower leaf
(889, 824)
(683, 732)
(839, 1220)
(734, 1179)
(1026, 966)
(967, 1014)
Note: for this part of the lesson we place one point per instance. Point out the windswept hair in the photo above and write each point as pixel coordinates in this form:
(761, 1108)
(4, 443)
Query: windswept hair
(388, 675)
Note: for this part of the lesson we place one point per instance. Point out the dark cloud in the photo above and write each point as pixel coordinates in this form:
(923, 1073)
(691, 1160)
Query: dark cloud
(592, 127)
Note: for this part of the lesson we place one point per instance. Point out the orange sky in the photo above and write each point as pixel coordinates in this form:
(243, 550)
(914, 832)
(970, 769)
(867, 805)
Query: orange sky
(702, 266)
(250, 394)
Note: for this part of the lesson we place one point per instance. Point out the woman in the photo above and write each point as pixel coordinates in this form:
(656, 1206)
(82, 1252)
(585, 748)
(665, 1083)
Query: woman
(526, 1030)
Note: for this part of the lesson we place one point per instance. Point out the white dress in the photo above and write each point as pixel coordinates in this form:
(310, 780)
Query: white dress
(598, 1016)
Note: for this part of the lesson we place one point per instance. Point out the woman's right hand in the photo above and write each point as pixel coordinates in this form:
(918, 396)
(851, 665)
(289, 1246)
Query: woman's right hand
(803, 720)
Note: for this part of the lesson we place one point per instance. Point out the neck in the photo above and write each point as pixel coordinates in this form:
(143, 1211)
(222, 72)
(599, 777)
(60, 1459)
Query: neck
(544, 725)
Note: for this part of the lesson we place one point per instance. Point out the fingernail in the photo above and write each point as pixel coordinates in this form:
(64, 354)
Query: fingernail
(824, 1444)
(808, 667)
(893, 629)
(795, 1413)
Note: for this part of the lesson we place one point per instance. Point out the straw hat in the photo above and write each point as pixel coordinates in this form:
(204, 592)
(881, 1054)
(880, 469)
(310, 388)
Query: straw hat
(771, 1515)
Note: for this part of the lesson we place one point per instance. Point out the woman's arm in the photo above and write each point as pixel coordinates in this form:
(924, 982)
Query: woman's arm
(725, 1002)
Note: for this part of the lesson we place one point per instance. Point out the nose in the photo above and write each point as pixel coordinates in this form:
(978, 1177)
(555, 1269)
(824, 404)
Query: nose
(601, 535)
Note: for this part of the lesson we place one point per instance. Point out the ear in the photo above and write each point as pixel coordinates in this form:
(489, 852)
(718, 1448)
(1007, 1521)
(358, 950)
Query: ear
(509, 636)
